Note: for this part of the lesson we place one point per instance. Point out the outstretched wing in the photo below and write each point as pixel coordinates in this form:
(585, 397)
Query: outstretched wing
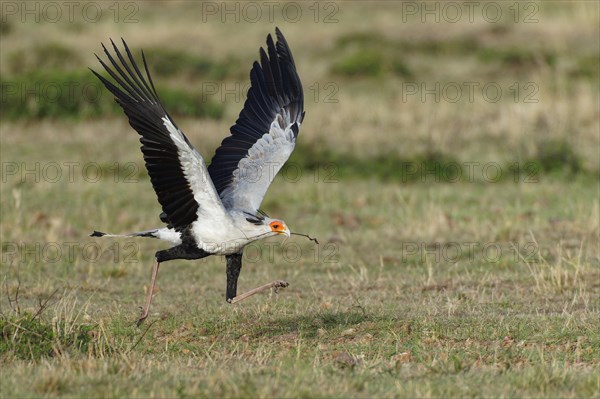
(177, 171)
(265, 132)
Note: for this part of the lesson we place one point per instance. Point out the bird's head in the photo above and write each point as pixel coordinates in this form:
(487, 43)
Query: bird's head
(277, 227)
(263, 226)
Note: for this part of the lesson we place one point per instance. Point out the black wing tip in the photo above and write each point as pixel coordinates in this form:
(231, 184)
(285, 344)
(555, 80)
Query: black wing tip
(97, 234)
(112, 42)
(277, 63)
(128, 84)
(270, 42)
(279, 35)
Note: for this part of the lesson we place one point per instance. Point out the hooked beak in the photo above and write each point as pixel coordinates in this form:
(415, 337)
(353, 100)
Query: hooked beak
(286, 232)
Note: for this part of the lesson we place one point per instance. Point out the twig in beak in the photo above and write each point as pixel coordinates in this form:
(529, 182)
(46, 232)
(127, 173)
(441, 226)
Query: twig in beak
(307, 236)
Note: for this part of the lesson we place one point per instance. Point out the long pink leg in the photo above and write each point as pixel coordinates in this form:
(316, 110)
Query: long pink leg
(275, 284)
(150, 293)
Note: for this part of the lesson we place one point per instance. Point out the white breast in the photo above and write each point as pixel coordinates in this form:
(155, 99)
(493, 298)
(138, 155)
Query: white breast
(222, 239)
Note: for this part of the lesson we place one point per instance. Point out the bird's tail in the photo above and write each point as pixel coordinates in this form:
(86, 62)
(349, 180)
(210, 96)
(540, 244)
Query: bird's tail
(164, 234)
(147, 233)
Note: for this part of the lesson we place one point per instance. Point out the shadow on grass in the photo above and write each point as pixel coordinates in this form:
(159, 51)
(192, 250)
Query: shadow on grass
(272, 326)
(309, 324)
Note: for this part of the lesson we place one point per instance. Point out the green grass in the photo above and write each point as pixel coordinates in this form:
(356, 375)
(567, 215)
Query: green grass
(168, 62)
(365, 315)
(51, 55)
(59, 94)
(423, 285)
(365, 62)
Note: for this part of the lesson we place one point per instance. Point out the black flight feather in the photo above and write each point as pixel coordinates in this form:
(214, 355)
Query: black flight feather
(275, 87)
(139, 100)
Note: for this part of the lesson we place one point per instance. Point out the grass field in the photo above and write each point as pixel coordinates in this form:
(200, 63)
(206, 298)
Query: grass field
(448, 167)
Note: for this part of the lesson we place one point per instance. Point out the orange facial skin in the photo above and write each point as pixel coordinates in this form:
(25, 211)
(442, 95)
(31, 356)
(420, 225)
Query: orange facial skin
(277, 227)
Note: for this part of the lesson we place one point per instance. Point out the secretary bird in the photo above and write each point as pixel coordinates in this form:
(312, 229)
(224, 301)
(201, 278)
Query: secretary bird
(213, 210)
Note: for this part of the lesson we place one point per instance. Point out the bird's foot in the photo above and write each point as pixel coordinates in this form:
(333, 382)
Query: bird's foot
(276, 285)
(143, 316)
